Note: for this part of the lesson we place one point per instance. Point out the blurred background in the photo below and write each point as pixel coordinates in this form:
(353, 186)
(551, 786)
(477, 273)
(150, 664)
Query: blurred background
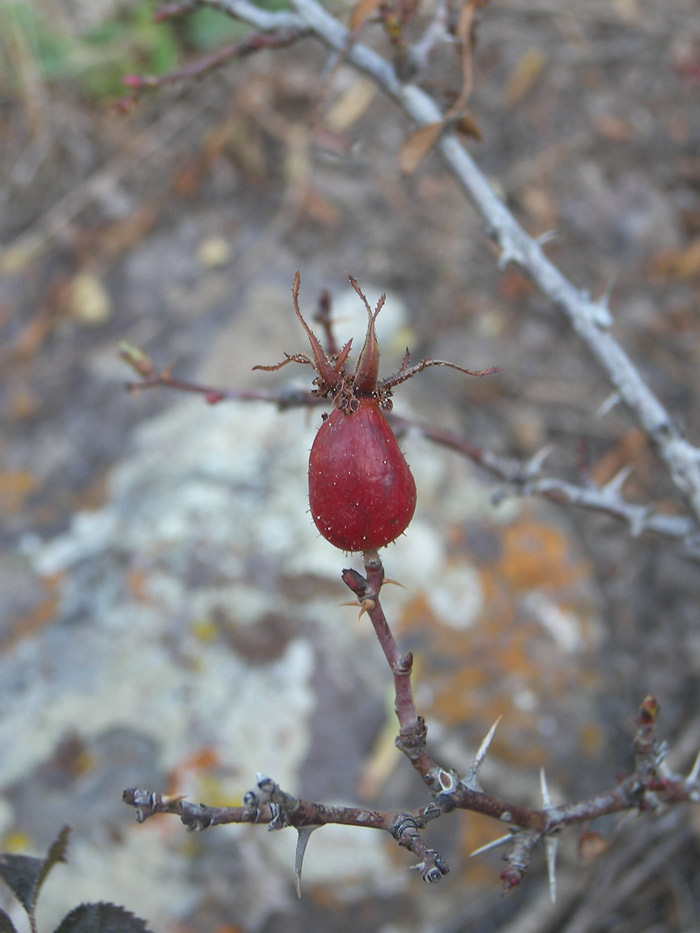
(170, 618)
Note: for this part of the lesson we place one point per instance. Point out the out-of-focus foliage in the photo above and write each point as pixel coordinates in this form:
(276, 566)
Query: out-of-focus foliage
(36, 46)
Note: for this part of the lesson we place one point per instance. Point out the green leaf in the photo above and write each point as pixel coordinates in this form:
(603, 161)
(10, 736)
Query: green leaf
(206, 28)
(6, 925)
(25, 875)
(101, 918)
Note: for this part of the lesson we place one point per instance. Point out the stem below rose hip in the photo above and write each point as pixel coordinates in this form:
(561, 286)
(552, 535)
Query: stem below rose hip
(412, 728)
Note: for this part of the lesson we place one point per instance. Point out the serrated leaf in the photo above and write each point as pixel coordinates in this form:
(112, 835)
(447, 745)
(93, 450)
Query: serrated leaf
(6, 925)
(25, 874)
(101, 918)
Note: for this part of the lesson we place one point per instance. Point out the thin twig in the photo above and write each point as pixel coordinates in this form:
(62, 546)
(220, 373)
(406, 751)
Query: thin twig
(523, 478)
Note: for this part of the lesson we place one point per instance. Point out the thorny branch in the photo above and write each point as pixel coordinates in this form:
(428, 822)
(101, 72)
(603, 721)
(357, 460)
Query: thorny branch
(524, 478)
(591, 319)
(650, 787)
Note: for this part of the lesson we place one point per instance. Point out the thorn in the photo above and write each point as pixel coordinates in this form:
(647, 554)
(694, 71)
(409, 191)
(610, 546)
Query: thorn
(302, 841)
(501, 841)
(471, 779)
(607, 406)
(544, 790)
(694, 771)
(395, 582)
(534, 464)
(547, 237)
(614, 485)
(509, 253)
(551, 846)
(601, 314)
(366, 605)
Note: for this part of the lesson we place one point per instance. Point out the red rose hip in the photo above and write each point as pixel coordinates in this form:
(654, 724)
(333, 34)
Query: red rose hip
(361, 489)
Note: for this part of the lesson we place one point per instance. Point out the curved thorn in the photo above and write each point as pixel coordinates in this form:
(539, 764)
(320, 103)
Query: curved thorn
(395, 582)
(501, 841)
(302, 842)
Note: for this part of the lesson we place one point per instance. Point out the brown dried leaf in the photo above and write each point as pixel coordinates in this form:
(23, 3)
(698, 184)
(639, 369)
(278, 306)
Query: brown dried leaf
(615, 129)
(468, 126)
(321, 209)
(352, 105)
(683, 264)
(361, 12)
(15, 487)
(418, 145)
(524, 75)
(591, 846)
(88, 301)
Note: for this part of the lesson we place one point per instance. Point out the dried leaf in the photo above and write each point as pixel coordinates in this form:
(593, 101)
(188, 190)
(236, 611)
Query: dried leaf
(24, 875)
(591, 846)
(466, 37)
(614, 128)
(524, 75)
(350, 106)
(15, 487)
(361, 12)
(632, 448)
(101, 918)
(682, 264)
(214, 252)
(88, 300)
(468, 126)
(418, 145)
(321, 209)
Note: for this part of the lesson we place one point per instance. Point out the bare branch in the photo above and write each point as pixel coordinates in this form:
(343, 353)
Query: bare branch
(525, 478)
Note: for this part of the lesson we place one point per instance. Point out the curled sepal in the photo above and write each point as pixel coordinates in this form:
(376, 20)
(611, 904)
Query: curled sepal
(330, 370)
(366, 375)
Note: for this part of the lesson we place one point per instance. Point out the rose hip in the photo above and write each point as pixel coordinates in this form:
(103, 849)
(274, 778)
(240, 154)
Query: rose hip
(361, 490)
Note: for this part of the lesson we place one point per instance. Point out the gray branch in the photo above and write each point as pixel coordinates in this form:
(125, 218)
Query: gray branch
(590, 319)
